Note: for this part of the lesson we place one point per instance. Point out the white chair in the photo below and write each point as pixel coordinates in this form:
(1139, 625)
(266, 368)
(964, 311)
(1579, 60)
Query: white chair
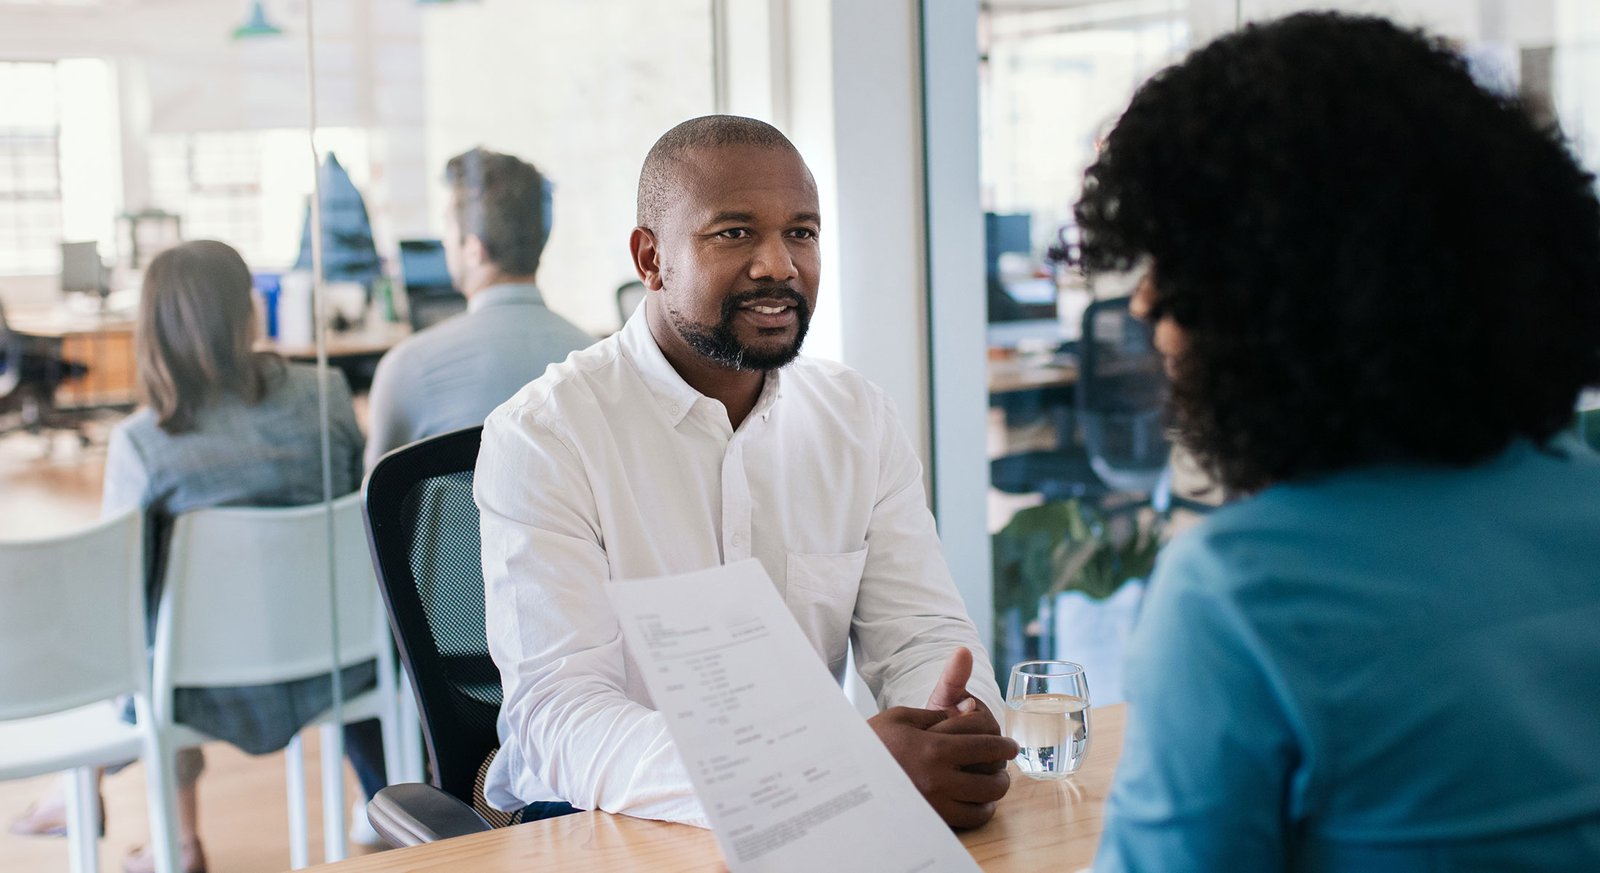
(72, 638)
(246, 602)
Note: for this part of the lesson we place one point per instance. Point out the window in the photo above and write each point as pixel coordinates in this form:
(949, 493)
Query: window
(213, 180)
(249, 188)
(30, 172)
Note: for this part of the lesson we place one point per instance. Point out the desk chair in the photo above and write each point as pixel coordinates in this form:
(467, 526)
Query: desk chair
(1588, 427)
(30, 372)
(430, 296)
(428, 306)
(245, 602)
(1119, 404)
(629, 295)
(423, 528)
(72, 641)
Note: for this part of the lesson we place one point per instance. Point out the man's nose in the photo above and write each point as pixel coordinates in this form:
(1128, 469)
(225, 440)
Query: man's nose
(773, 261)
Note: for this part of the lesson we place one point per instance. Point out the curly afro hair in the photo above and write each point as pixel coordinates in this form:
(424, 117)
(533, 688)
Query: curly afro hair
(1372, 258)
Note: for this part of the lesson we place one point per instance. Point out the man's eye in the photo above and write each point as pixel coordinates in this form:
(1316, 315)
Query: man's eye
(803, 233)
(734, 233)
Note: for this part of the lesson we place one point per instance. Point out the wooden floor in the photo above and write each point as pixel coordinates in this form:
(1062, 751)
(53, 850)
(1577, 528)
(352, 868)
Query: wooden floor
(243, 800)
(244, 820)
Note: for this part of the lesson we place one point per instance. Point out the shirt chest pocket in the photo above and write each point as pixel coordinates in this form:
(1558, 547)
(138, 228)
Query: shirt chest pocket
(820, 591)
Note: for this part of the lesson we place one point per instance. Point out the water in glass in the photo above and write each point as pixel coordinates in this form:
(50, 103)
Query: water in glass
(1048, 715)
(1052, 731)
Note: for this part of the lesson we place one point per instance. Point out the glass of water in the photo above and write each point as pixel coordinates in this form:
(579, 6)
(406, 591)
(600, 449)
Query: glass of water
(1047, 713)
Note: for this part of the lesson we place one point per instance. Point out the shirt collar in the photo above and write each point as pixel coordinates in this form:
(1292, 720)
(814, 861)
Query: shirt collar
(676, 396)
(508, 294)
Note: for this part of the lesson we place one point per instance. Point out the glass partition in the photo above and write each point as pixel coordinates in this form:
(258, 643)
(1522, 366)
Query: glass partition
(1076, 524)
(144, 371)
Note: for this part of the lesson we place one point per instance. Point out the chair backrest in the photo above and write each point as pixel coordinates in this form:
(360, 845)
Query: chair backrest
(10, 357)
(246, 591)
(628, 296)
(72, 618)
(1588, 426)
(1121, 397)
(423, 528)
(430, 296)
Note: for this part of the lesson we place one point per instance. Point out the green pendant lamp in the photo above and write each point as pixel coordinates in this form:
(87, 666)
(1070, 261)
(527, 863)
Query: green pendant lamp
(256, 24)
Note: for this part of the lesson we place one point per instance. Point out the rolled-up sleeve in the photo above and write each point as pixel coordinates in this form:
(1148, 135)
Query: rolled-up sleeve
(567, 726)
(908, 615)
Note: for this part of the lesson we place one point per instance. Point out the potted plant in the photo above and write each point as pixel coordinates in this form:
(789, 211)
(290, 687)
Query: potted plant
(1062, 572)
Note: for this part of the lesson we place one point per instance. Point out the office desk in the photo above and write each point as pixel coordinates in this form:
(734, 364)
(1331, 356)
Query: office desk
(102, 341)
(1051, 826)
(1010, 373)
(354, 352)
(370, 340)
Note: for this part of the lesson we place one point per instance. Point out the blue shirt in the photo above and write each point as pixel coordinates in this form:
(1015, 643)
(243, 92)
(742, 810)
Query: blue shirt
(1396, 669)
(455, 373)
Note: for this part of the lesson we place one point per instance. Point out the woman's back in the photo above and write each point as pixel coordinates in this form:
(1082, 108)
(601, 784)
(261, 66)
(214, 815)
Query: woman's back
(1403, 663)
(263, 454)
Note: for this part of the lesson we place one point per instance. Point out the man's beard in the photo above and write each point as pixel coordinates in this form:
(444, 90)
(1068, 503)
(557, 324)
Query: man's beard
(721, 345)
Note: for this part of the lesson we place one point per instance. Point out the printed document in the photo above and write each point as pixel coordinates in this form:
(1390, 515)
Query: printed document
(789, 773)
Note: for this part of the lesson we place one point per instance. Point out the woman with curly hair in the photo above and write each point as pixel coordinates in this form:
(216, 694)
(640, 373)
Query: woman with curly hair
(1377, 288)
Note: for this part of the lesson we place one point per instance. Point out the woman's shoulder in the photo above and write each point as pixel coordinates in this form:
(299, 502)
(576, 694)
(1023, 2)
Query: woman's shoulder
(139, 428)
(1263, 539)
(295, 381)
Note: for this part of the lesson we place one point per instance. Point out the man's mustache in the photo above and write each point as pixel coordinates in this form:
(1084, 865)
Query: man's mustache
(785, 293)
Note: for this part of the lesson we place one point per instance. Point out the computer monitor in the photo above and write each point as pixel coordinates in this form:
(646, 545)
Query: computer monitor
(422, 264)
(1003, 233)
(430, 295)
(1014, 297)
(82, 271)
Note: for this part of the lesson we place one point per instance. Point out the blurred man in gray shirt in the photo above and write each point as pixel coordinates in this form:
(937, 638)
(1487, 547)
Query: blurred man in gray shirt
(455, 373)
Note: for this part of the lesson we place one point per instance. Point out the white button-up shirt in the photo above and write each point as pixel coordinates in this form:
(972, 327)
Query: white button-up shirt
(610, 466)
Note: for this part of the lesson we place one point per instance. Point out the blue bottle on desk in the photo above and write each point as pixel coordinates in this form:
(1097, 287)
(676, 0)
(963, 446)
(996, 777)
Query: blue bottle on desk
(267, 285)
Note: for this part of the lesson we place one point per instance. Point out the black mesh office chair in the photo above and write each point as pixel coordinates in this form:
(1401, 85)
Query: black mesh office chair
(1587, 425)
(1120, 405)
(1122, 398)
(629, 296)
(423, 529)
(30, 372)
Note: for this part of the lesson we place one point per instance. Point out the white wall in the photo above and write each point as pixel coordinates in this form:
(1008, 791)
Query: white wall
(581, 90)
(1522, 21)
(957, 307)
(845, 82)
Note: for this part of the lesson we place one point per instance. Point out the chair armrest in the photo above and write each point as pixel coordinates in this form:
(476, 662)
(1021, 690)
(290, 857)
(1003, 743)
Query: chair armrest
(412, 813)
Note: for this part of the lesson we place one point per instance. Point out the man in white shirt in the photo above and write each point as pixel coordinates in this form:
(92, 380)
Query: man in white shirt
(696, 437)
(453, 374)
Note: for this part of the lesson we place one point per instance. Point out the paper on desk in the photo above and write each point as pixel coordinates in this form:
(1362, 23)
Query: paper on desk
(788, 773)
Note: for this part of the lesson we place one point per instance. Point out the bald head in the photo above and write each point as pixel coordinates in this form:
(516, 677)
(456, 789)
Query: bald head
(658, 179)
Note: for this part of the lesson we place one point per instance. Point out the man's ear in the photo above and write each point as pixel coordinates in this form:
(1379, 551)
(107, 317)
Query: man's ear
(646, 257)
(473, 251)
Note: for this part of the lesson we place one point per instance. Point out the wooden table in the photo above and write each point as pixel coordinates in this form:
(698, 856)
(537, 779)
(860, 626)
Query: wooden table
(1052, 826)
(1008, 374)
(353, 352)
(370, 340)
(102, 341)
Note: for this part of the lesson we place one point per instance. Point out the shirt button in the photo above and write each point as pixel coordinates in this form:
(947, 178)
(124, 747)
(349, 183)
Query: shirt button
(738, 541)
(674, 408)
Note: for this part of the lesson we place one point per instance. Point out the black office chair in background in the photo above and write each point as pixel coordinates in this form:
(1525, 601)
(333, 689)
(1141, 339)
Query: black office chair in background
(629, 295)
(425, 276)
(423, 529)
(30, 372)
(1119, 407)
